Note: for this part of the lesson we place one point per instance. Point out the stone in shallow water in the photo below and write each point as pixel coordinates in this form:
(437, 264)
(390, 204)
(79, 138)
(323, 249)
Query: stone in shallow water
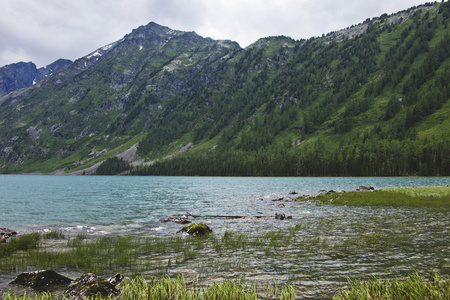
(196, 229)
(181, 220)
(44, 280)
(90, 285)
(7, 232)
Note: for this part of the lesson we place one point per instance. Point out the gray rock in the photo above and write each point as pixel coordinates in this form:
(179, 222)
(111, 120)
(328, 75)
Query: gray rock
(7, 232)
(44, 280)
(90, 285)
(116, 279)
(280, 216)
(181, 220)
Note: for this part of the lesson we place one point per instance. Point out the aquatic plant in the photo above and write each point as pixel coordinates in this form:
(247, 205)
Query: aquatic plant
(413, 288)
(433, 197)
(53, 235)
(176, 288)
(24, 242)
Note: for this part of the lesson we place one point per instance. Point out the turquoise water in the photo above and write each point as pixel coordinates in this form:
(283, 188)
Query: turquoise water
(111, 204)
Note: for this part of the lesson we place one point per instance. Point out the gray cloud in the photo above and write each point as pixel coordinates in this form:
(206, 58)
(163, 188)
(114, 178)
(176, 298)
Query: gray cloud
(45, 30)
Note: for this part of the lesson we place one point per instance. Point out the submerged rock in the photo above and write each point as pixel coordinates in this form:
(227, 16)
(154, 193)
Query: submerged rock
(281, 216)
(278, 199)
(181, 220)
(90, 285)
(44, 280)
(196, 229)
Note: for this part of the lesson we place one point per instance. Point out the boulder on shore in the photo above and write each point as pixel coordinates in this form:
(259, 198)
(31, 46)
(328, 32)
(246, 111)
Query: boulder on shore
(44, 280)
(90, 285)
(196, 229)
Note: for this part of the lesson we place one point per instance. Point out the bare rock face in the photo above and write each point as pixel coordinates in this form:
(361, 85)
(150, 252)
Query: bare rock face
(24, 74)
(90, 285)
(44, 280)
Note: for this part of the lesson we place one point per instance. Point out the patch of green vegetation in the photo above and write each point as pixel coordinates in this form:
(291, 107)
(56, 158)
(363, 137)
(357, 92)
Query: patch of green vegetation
(53, 235)
(414, 288)
(22, 243)
(436, 197)
(113, 166)
(177, 288)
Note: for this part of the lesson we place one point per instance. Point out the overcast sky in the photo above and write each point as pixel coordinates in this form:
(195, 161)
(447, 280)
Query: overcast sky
(43, 31)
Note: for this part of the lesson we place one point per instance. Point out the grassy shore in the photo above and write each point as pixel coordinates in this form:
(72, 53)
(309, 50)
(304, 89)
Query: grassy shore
(176, 288)
(436, 197)
(413, 288)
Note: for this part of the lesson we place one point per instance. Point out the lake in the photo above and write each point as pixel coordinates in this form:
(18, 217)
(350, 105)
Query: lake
(115, 204)
(323, 247)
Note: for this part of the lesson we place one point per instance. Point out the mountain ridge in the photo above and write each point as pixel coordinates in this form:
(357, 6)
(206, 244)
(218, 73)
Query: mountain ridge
(21, 75)
(181, 104)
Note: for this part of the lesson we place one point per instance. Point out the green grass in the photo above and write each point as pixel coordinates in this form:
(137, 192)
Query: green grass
(413, 288)
(25, 242)
(437, 197)
(176, 288)
(53, 235)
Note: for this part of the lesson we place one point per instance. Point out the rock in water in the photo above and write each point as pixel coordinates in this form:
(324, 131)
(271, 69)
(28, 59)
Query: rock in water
(181, 220)
(45, 280)
(7, 232)
(196, 229)
(90, 285)
(280, 216)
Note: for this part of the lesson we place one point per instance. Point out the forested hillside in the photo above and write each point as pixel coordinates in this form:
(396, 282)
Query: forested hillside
(369, 100)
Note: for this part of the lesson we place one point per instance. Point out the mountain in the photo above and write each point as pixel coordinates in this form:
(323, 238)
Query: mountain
(371, 99)
(20, 75)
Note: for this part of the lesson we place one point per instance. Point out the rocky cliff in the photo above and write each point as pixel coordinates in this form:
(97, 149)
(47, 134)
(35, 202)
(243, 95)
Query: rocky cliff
(24, 74)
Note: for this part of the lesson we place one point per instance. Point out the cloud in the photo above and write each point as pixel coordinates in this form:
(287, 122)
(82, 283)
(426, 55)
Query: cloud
(45, 30)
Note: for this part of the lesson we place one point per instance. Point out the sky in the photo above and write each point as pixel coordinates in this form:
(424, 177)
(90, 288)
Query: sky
(43, 31)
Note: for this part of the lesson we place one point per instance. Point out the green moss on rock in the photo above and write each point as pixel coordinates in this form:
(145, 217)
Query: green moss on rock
(196, 229)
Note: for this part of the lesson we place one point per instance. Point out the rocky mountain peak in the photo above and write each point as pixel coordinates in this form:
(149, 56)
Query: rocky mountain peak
(152, 31)
(24, 74)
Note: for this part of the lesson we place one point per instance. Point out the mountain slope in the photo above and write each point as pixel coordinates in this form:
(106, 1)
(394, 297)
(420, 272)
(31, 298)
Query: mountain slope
(372, 99)
(20, 75)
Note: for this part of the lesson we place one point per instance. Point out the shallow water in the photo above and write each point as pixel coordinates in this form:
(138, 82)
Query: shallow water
(317, 251)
